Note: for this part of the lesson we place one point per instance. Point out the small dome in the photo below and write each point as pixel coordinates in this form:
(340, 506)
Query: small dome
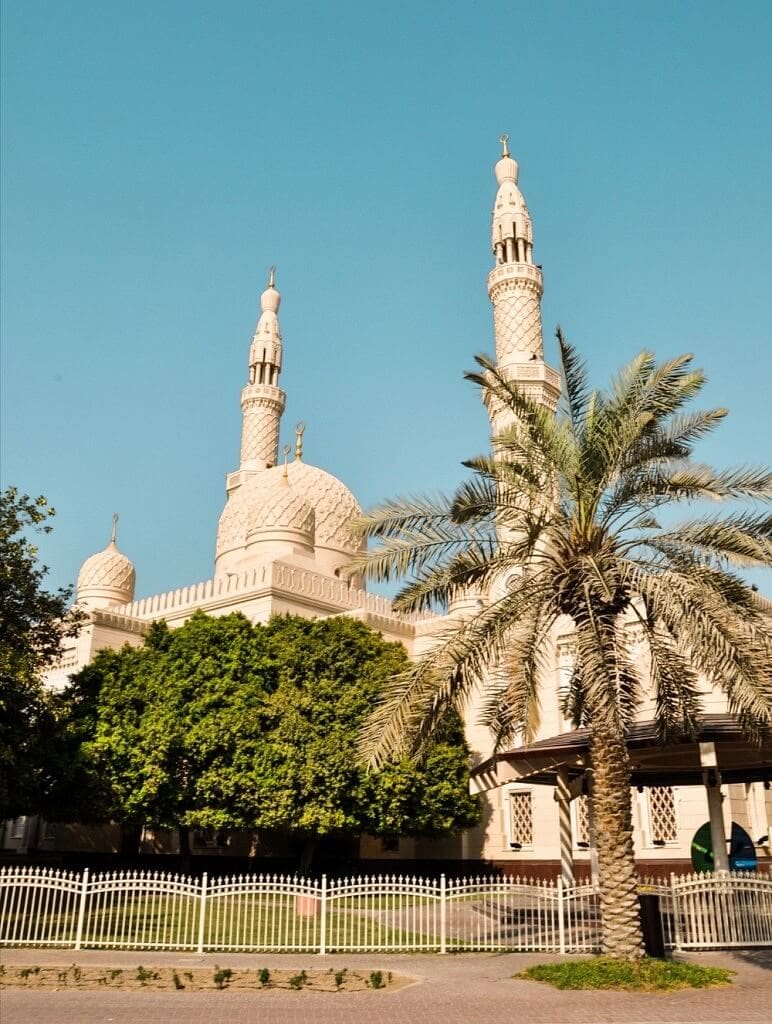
(270, 300)
(280, 506)
(105, 578)
(506, 170)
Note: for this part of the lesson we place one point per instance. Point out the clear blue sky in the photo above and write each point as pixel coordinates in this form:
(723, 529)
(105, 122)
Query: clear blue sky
(158, 157)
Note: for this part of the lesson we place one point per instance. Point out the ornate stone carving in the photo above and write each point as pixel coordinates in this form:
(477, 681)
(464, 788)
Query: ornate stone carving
(280, 506)
(261, 416)
(517, 324)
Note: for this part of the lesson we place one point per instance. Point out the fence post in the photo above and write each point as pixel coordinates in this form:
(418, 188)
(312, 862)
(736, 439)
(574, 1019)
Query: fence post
(323, 919)
(561, 921)
(202, 913)
(81, 909)
(443, 914)
(676, 905)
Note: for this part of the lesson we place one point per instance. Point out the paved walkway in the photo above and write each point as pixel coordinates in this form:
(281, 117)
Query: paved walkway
(455, 989)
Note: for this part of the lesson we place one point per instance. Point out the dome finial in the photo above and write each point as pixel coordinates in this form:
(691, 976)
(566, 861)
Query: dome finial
(287, 449)
(504, 140)
(114, 531)
(271, 277)
(300, 429)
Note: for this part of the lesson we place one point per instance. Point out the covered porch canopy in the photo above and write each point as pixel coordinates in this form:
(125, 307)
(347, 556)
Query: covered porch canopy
(719, 754)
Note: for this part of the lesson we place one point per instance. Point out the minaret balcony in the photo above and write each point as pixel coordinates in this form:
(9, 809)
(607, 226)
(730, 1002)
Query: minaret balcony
(257, 391)
(528, 273)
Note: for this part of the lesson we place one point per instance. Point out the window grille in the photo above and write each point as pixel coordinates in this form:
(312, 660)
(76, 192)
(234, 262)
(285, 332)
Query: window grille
(663, 825)
(520, 818)
(582, 821)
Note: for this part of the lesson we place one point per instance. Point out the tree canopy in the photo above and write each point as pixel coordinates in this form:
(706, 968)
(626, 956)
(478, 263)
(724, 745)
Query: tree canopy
(226, 725)
(33, 624)
(560, 527)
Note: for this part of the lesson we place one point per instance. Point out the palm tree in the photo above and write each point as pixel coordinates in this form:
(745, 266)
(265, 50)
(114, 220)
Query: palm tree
(561, 524)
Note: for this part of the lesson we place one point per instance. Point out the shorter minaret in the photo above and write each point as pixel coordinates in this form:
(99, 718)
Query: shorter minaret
(262, 400)
(515, 289)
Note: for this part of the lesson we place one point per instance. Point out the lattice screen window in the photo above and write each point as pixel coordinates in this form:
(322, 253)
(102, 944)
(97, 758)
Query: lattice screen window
(663, 825)
(582, 821)
(207, 838)
(17, 827)
(520, 818)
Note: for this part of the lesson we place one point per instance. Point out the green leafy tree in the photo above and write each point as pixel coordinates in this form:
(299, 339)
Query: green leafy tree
(33, 625)
(225, 725)
(567, 510)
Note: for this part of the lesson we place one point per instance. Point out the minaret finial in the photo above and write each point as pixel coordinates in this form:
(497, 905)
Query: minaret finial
(504, 140)
(114, 531)
(271, 277)
(287, 449)
(300, 429)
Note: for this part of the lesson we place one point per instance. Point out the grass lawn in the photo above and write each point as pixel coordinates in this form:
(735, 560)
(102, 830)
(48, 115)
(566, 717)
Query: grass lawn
(645, 975)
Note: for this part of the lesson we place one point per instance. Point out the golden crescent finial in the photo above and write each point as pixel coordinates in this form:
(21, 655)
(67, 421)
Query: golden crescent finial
(504, 140)
(271, 277)
(114, 531)
(286, 449)
(300, 429)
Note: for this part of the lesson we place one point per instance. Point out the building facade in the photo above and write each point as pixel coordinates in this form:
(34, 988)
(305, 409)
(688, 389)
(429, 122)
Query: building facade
(283, 540)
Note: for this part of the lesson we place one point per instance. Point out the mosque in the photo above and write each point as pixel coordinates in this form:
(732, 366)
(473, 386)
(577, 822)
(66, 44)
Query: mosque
(283, 539)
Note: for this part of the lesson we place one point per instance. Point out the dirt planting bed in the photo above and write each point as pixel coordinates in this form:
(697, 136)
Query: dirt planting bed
(200, 979)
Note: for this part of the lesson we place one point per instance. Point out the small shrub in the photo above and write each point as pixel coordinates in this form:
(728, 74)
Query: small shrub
(645, 975)
(222, 976)
(25, 972)
(116, 972)
(376, 979)
(143, 975)
(297, 981)
(102, 979)
(340, 977)
(61, 977)
(264, 976)
(76, 972)
(178, 984)
(188, 975)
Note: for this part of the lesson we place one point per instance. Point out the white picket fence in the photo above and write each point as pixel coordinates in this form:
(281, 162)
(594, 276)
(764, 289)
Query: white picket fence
(258, 913)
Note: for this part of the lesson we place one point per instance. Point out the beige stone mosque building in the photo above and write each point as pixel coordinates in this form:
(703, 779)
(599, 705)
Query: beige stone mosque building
(283, 539)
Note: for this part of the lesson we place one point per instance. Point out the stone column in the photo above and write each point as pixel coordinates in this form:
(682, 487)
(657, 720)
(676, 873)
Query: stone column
(712, 781)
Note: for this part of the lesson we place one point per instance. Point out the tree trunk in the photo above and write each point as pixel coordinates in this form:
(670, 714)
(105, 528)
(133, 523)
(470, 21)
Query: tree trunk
(183, 833)
(621, 935)
(131, 837)
(306, 856)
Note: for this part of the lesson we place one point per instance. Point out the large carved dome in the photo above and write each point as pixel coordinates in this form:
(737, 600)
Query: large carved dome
(279, 505)
(267, 499)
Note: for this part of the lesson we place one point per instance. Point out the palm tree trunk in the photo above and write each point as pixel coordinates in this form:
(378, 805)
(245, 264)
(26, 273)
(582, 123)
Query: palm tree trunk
(621, 935)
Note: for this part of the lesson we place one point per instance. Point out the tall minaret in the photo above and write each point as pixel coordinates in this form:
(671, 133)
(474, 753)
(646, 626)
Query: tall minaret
(515, 288)
(262, 400)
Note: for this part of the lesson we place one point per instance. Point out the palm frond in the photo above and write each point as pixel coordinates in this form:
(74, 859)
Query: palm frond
(576, 392)
(462, 654)
(743, 540)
